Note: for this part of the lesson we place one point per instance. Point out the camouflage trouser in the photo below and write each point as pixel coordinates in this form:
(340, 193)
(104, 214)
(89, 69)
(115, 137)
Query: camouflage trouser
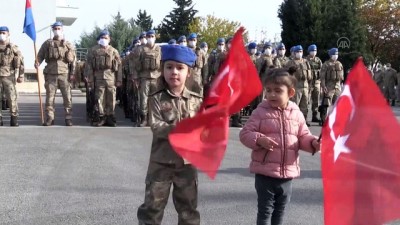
(158, 184)
(315, 96)
(301, 99)
(106, 96)
(52, 83)
(146, 87)
(195, 82)
(8, 90)
(328, 100)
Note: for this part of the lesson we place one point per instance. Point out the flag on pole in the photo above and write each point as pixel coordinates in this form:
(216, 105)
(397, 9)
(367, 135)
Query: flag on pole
(202, 140)
(29, 23)
(361, 155)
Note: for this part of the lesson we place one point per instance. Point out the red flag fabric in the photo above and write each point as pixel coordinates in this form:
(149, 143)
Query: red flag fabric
(202, 140)
(361, 155)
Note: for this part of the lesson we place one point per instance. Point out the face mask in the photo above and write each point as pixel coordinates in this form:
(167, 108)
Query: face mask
(334, 57)
(192, 44)
(57, 33)
(267, 51)
(281, 52)
(143, 41)
(205, 50)
(221, 47)
(299, 55)
(313, 53)
(3, 37)
(151, 41)
(183, 43)
(253, 51)
(103, 42)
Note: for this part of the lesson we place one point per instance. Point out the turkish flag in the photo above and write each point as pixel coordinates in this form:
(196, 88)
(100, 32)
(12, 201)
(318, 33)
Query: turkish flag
(202, 140)
(361, 155)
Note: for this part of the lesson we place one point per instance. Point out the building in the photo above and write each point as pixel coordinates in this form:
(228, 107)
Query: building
(45, 13)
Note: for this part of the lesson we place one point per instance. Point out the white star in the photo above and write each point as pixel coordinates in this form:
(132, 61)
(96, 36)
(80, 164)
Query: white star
(340, 146)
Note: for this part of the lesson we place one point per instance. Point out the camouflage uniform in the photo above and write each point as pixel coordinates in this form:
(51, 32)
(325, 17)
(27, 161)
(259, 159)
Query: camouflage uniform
(283, 60)
(315, 85)
(199, 73)
(147, 63)
(212, 61)
(60, 58)
(332, 75)
(390, 81)
(11, 67)
(104, 68)
(304, 77)
(166, 167)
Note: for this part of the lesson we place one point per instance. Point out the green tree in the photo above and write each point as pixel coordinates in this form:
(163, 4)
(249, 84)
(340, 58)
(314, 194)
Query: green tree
(210, 28)
(177, 22)
(144, 21)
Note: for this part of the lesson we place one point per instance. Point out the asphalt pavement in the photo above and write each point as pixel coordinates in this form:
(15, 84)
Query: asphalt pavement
(88, 175)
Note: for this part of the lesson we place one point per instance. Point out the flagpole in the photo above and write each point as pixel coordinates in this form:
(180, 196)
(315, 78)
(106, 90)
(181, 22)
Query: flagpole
(38, 79)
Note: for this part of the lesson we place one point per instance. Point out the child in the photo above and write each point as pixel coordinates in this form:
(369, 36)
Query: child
(276, 131)
(171, 103)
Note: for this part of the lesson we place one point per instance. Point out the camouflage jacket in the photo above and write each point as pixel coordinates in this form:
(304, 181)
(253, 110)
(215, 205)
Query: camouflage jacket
(316, 65)
(103, 64)
(59, 56)
(146, 61)
(303, 72)
(332, 74)
(165, 110)
(11, 61)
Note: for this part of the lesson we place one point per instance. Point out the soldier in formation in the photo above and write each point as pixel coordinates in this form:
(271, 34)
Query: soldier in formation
(315, 83)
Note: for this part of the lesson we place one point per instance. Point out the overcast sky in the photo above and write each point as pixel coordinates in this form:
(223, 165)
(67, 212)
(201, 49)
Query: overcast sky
(259, 17)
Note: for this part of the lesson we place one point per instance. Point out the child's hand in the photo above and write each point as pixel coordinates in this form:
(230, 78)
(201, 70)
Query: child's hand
(267, 143)
(316, 145)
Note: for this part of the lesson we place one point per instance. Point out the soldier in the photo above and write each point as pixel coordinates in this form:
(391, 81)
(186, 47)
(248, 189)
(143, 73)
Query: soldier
(172, 42)
(171, 103)
(200, 68)
(204, 48)
(281, 55)
(390, 81)
(147, 62)
(252, 50)
(212, 59)
(103, 68)
(142, 38)
(59, 55)
(182, 40)
(315, 85)
(266, 62)
(332, 76)
(304, 77)
(11, 71)
(378, 78)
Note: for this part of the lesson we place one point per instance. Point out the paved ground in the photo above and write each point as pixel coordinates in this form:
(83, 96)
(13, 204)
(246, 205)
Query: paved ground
(83, 175)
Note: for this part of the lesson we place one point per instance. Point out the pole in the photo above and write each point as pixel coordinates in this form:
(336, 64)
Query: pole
(38, 79)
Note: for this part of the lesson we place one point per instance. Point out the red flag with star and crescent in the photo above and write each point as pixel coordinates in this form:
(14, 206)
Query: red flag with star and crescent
(361, 155)
(202, 140)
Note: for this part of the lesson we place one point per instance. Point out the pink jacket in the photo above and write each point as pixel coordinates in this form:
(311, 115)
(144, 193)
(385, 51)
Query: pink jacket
(288, 128)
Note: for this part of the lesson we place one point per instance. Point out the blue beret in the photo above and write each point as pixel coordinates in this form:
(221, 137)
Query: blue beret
(150, 32)
(252, 45)
(142, 35)
(192, 36)
(4, 28)
(312, 48)
(103, 33)
(203, 44)
(292, 49)
(298, 48)
(220, 40)
(267, 44)
(333, 51)
(281, 46)
(178, 53)
(57, 24)
(181, 38)
(172, 42)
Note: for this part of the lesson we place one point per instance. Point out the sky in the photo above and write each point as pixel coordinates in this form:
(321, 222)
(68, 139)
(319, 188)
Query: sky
(259, 17)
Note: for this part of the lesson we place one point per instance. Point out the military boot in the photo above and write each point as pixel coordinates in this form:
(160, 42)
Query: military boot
(315, 118)
(49, 122)
(111, 122)
(68, 122)
(1, 121)
(236, 121)
(14, 121)
(143, 119)
(102, 121)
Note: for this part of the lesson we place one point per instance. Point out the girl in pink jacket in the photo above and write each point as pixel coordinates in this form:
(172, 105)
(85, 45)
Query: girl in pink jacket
(276, 131)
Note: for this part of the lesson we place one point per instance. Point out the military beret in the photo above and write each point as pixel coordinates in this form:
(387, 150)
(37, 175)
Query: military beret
(192, 36)
(333, 51)
(298, 48)
(312, 48)
(267, 44)
(172, 42)
(281, 46)
(142, 35)
(220, 40)
(252, 45)
(181, 39)
(4, 28)
(203, 44)
(178, 53)
(150, 32)
(57, 24)
(292, 49)
(103, 33)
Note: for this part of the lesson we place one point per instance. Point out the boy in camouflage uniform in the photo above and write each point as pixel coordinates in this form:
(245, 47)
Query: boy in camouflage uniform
(171, 103)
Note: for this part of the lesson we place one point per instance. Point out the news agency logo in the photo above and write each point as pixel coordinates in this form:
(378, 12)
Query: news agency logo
(343, 42)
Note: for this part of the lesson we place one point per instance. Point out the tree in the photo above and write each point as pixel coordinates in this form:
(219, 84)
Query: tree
(210, 28)
(144, 21)
(177, 22)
